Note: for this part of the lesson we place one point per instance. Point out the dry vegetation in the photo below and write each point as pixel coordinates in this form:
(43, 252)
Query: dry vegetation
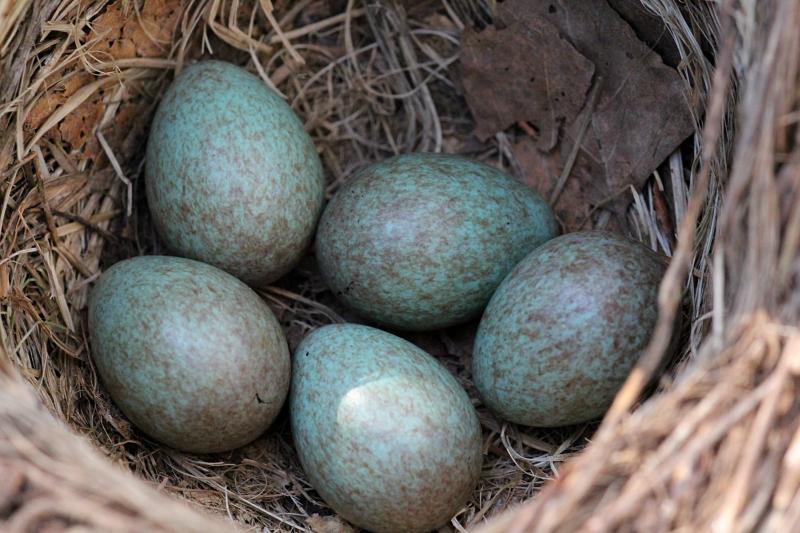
(369, 80)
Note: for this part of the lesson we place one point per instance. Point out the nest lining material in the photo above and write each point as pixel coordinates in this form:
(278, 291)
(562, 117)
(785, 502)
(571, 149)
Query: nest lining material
(369, 81)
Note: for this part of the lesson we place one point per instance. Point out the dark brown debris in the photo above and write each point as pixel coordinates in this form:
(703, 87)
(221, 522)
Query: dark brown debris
(542, 170)
(650, 29)
(523, 72)
(640, 115)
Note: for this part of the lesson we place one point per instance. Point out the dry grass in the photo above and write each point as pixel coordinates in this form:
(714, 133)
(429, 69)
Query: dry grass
(368, 81)
(52, 480)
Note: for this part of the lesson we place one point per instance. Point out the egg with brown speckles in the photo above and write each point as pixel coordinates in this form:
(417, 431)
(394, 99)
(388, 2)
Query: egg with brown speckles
(232, 178)
(385, 434)
(565, 328)
(190, 354)
(421, 241)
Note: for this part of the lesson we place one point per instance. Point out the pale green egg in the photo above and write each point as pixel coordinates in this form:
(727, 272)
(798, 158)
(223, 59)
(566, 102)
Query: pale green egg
(189, 353)
(385, 434)
(232, 177)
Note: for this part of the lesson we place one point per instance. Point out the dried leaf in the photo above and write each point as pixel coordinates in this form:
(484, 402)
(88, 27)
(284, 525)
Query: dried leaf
(650, 28)
(523, 72)
(76, 129)
(70, 111)
(61, 90)
(581, 191)
(72, 107)
(642, 114)
(121, 33)
(110, 39)
(42, 109)
(153, 34)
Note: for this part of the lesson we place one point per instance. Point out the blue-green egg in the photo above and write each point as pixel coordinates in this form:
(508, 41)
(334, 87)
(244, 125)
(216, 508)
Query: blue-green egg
(565, 328)
(189, 353)
(384, 433)
(421, 241)
(232, 178)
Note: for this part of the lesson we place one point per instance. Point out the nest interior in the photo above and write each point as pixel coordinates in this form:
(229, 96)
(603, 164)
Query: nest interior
(369, 80)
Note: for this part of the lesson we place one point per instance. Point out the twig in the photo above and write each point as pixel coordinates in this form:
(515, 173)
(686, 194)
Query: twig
(738, 489)
(330, 313)
(527, 128)
(266, 7)
(586, 119)
(39, 176)
(94, 227)
(316, 26)
(118, 170)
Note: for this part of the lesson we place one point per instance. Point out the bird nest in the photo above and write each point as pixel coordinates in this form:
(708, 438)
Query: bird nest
(712, 445)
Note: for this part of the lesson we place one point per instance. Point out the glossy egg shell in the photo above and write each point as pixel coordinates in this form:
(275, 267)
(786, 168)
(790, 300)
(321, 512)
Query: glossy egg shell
(421, 241)
(189, 353)
(565, 328)
(384, 433)
(232, 178)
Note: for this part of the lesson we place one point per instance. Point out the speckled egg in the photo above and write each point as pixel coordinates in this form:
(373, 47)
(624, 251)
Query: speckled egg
(232, 178)
(565, 328)
(384, 433)
(421, 241)
(189, 353)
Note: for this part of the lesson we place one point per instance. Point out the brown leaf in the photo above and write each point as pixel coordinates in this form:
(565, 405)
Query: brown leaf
(542, 171)
(41, 110)
(57, 95)
(120, 32)
(77, 128)
(152, 34)
(109, 39)
(650, 28)
(641, 115)
(523, 72)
